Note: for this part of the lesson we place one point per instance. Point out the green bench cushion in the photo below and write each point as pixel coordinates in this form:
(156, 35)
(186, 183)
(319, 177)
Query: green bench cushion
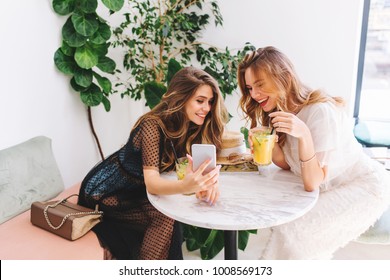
(373, 133)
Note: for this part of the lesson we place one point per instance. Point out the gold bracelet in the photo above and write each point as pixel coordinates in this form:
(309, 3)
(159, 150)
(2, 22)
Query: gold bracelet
(303, 162)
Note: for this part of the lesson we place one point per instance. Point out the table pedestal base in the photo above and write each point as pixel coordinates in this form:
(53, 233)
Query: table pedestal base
(230, 244)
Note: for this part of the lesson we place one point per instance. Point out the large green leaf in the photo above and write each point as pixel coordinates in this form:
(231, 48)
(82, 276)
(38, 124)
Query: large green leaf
(71, 36)
(113, 5)
(153, 93)
(75, 86)
(243, 237)
(64, 63)
(106, 64)
(106, 104)
(85, 24)
(213, 245)
(92, 96)
(192, 244)
(67, 50)
(86, 57)
(83, 77)
(63, 7)
(88, 6)
(173, 67)
(100, 49)
(103, 82)
(194, 236)
(102, 34)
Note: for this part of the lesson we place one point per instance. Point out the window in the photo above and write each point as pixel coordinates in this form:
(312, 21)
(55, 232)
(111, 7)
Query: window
(373, 88)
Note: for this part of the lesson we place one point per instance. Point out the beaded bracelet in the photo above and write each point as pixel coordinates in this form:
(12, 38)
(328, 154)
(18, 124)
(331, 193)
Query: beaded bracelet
(303, 163)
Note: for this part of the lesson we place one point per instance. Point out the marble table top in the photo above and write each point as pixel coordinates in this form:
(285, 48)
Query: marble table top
(247, 201)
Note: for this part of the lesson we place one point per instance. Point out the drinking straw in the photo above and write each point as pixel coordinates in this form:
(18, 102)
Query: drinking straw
(269, 124)
(278, 109)
(174, 152)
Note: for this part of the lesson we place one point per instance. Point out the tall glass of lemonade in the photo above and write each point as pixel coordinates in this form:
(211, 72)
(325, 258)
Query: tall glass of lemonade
(181, 169)
(263, 143)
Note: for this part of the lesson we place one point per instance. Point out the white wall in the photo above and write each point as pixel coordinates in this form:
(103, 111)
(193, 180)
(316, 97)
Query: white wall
(320, 37)
(36, 99)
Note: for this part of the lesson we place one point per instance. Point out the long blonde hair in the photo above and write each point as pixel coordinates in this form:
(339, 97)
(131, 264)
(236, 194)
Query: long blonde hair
(171, 116)
(293, 94)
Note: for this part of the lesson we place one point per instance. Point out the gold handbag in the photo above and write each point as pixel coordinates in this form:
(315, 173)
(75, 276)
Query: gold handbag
(63, 218)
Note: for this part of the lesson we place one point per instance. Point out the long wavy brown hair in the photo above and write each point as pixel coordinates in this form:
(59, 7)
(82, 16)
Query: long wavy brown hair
(171, 116)
(293, 95)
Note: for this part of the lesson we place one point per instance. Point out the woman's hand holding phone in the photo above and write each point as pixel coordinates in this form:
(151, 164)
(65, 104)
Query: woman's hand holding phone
(204, 185)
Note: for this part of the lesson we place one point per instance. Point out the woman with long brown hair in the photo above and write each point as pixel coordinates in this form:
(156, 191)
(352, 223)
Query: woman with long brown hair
(316, 142)
(191, 111)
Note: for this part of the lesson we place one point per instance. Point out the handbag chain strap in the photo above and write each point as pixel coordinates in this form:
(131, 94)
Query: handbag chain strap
(95, 212)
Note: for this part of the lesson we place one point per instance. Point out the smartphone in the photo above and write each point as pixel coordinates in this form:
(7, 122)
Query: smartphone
(202, 152)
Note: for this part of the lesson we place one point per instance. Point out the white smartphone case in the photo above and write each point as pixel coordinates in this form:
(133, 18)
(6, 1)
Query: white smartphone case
(202, 152)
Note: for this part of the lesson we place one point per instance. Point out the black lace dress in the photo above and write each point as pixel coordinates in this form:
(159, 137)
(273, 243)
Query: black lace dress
(132, 228)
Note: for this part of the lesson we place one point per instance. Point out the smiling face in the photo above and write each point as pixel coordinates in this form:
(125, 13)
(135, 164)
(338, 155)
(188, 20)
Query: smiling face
(199, 105)
(261, 89)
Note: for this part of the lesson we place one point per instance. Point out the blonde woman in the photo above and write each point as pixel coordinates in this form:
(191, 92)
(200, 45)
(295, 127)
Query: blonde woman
(191, 111)
(316, 142)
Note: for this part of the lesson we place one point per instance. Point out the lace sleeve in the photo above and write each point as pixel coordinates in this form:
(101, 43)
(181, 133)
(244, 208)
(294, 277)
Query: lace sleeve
(150, 144)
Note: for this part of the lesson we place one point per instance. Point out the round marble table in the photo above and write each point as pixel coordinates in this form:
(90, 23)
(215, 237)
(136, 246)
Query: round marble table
(247, 201)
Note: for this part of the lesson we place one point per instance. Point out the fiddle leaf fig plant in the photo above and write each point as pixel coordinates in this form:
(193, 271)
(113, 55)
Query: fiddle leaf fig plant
(83, 52)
